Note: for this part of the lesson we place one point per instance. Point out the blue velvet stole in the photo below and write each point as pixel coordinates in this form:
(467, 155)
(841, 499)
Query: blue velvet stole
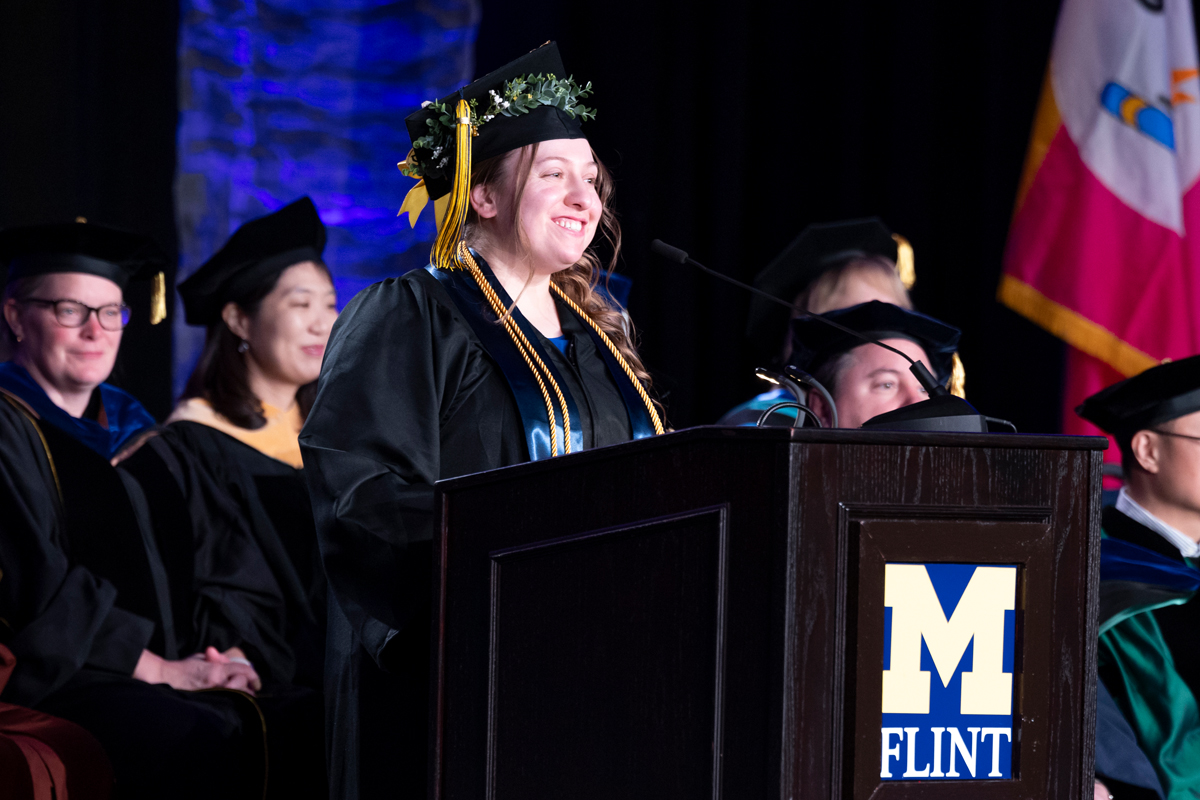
(471, 303)
(1134, 580)
(124, 414)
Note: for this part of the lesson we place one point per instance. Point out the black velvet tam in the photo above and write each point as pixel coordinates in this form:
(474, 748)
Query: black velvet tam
(1158, 395)
(111, 253)
(501, 134)
(816, 344)
(257, 252)
(818, 249)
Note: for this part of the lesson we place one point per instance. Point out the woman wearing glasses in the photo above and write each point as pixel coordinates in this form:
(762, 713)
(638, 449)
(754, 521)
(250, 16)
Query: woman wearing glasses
(84, 602)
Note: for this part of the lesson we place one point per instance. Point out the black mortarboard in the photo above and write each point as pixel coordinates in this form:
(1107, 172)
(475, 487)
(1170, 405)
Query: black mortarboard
(1158, 395)
(257, 252)
(85, 247)
(818, 249)
(81, 246)
(814, 343)
(500, 134)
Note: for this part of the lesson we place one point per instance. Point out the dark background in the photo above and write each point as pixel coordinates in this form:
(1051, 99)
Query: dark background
(728, 132)
(87, 128)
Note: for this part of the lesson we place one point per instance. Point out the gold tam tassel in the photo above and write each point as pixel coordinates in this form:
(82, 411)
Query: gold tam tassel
(445, 253)
(158, 298)
(958, 378)
(906, 267)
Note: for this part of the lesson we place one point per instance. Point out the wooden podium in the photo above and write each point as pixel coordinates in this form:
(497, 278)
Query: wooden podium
(704, 615)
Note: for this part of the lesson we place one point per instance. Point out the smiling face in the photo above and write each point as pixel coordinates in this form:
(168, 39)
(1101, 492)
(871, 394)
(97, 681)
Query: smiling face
(875, 381)
(71, 361)
(557, 210)
(288, 334)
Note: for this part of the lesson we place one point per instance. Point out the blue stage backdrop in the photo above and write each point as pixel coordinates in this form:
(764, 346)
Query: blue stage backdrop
(309, 97)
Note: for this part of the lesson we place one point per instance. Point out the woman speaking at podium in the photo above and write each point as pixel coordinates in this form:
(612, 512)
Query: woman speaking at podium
(501, 351)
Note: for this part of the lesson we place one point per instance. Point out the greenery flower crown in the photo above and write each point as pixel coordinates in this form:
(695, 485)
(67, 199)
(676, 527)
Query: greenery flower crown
(432, 153)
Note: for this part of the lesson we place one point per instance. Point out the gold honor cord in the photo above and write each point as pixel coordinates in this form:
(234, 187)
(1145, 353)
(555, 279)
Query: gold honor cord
(641, 390)
(532, 359)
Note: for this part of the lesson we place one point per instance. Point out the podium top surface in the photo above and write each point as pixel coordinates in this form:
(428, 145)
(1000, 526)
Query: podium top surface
(848, 436)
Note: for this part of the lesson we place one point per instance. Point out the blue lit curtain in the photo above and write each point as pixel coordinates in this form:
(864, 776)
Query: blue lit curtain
(309, 97)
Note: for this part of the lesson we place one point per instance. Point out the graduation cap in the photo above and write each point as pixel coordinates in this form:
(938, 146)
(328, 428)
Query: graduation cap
(818, 249)
(1158, 395)
(81, 246)
(816, 344)
(527, 101)
(258, 251)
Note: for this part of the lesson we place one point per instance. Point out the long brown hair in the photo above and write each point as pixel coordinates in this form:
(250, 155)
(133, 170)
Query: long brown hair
(579, 281)
(221, 376)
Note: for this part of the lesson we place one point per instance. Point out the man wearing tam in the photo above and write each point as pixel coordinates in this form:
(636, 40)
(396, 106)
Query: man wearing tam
(1151, 662)
(501, 351)
(866, 380)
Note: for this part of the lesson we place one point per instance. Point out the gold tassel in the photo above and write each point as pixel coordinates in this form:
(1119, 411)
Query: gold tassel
(445, 249)
(158, 298)
(439, 210)
(958, 377)
(906, 267)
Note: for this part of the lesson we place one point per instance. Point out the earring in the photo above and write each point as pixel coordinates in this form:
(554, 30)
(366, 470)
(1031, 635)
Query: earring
(244, 346)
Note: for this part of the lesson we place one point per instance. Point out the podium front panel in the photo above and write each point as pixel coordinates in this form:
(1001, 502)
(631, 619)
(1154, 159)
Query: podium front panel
(574, 623)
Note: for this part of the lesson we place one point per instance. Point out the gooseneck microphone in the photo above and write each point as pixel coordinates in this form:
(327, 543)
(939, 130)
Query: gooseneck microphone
(941, 412)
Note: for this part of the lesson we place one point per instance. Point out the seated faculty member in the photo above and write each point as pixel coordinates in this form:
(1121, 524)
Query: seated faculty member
(224, 483)
(85, 605)
(864, 379)
(227, 466)
(828, 266)
(484, 359)
(1150, 662)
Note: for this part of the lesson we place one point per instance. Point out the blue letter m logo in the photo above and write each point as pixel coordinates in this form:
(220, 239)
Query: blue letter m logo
(956, 620)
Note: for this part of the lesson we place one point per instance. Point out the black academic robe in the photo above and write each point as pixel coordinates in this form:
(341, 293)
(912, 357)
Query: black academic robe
(1180, 624)
(82, 593)
(408, 395)
(236, 532)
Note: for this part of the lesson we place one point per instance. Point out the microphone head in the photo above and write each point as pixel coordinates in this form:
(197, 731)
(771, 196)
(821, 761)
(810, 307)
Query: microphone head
(661, 248)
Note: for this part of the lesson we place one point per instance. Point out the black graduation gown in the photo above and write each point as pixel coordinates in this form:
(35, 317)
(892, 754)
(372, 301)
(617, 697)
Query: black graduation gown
(408, 395)
(77, 637)
(236, 532)
(1180, 624)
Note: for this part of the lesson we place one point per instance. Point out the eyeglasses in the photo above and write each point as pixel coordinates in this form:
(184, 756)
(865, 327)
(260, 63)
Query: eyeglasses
(73, 314)
(1176, 435)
